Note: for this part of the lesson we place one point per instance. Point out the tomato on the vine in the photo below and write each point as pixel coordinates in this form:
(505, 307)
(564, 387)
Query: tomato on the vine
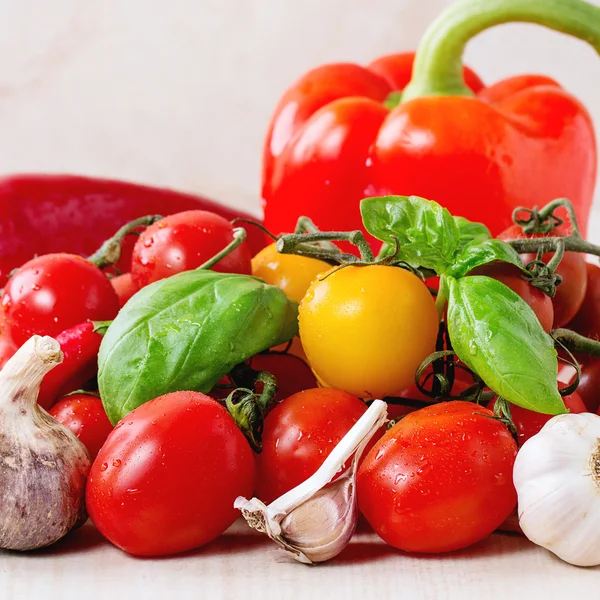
(440, 479)
(366, 329)
(587, 320)
(84, 415)
(124, 287)
(512, 277)
(185, 241)
(53, 292)
(167, 476)
(291, 273)
(571, 291)
(299, 434)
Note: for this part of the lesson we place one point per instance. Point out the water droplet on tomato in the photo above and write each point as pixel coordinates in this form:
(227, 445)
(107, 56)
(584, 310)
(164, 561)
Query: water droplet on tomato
(379, 454)
(55, 319)
(148, 242)
(133, 491)
(36, 288)
(116, 463)
(104, 466)
(400, 477)
(485, 458)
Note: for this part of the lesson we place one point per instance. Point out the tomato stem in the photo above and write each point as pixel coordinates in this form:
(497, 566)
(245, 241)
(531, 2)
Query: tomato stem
(304, 244)
(575, 342)
(239, 235)
(110, 251)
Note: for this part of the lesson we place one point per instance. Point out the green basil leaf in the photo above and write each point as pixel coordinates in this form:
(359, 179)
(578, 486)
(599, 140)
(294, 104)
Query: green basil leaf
(496, 333)
(427, 234)
(479, 253)
(469, 231)
(187, 331)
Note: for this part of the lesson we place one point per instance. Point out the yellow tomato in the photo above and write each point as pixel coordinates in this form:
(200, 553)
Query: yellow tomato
(365, 330)
(291, 273)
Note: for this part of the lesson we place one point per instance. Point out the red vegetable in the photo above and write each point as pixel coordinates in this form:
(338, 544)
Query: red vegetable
(298, 436)
(589, 384)
(124, 287)
(343, 131)
(167, 476)
(80, 345)
(185, 241)
(53, 292)
(84, 415)
(440, 479)
(42, 214)
(587, 320)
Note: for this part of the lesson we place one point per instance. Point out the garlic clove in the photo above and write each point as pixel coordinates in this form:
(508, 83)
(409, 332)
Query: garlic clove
(315, 521)
(557, 478)
(43, 466)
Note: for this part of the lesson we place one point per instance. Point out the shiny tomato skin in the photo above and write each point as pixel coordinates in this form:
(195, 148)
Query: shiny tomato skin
(511, 277)
(589, 383)
(124, 287)
(84, 415)
(440, 479)
(571, 291)
(298, 436)
(185, 241)
(7, 349)
(166, 478)
(54, 292)
(587, 320)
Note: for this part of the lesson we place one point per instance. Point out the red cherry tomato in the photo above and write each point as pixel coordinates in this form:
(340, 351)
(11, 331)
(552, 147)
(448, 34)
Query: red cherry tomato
(185, 241)
(84, 415)
(589, 383)
(298, 436)
(587, 320)
(124, 287)
(7, 349)
(511, 277)
(440, 479)
(168, 474)
(54, 292)
(571, 291)
(529, 423)
(293, 375)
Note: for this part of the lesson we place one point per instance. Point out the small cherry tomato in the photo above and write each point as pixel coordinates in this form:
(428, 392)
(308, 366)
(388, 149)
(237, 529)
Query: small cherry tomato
(168, 474)
(511, 277)
(299, 434)
(185, 241)
(571, 291)
(84, 415)
(7, 349)
(54, 292)
(365, 330)
(293, 375)
(124, 287)
(291, 273)
(587, 320)
(589, 383)
(440, 479)
(529, 422)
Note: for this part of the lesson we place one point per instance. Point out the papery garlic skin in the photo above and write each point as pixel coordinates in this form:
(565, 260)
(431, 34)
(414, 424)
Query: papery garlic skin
(316, 520)
(557, 478)
(43, 465)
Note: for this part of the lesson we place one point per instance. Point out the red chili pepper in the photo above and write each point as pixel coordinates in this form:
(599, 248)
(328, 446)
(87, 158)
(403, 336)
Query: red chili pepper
(80, 345)
(41, 214)
(343, 132)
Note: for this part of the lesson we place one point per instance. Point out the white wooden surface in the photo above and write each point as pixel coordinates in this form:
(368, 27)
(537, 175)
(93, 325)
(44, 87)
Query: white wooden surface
(243, 564)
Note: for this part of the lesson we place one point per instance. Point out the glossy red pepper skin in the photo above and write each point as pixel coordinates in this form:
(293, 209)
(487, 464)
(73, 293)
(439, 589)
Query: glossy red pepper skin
(332, 141)
(80, 345)
(42, 214)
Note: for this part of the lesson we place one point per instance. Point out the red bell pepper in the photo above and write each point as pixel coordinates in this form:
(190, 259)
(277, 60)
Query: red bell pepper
(343, 132)
(40, 214)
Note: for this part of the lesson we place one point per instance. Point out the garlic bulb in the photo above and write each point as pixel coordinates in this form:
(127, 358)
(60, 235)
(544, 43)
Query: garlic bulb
(43, 466)
(557, 477)
(315, 521)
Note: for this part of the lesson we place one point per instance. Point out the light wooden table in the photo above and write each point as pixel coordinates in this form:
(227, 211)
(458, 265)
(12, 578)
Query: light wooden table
(244, 565)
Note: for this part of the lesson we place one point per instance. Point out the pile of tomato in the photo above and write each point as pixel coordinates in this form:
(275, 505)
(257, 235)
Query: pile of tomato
(165, 478)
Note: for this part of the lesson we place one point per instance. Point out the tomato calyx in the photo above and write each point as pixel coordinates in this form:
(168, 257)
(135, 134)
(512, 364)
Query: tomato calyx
(109, 252)
(247, 405)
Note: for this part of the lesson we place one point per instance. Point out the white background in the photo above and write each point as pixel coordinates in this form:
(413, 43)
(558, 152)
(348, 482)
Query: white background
(179, 92)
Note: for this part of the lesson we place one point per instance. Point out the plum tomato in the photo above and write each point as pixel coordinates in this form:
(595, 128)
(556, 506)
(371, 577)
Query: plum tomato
(528, 422)
(124, 287)
(53, 292)
(511, 277)
(366, 329)
(185, 241)
(299, 434)
(291, 273)
(571, 291)
(293, 375)
(440, 479)
(166, 478)
(587, 320)
(84, 415)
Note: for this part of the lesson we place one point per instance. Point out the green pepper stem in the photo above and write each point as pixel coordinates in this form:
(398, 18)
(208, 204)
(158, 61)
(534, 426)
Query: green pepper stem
(437, 68)
(110, 251)
(239, 235)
